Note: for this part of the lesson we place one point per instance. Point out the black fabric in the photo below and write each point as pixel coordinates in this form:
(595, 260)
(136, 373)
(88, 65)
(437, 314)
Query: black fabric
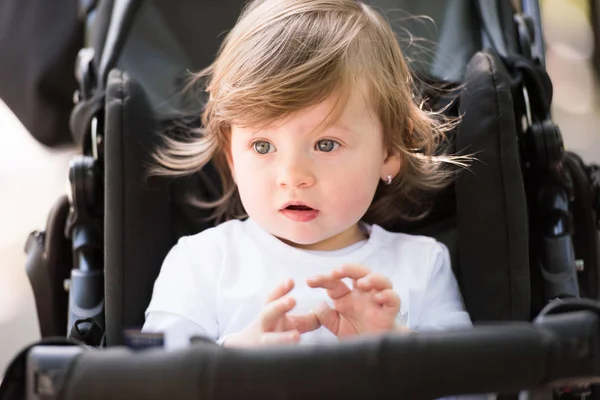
(138, 232)
(440, 223)
(39, 42)
(506, 17)
(491, 204)
(534, 77)
(490, 19)
(502, 358)
(143, 219)
(161, 48)
(459, 38)
(48, 264)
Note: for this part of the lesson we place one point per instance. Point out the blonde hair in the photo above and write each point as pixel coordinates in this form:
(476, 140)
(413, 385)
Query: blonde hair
(285, 55)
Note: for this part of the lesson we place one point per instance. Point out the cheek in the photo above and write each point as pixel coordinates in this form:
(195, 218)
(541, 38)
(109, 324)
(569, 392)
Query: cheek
(242, 162)
(352, 188)
(251, 179)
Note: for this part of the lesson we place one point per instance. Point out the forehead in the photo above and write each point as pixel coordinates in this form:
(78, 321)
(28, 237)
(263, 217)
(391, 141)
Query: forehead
(343, 108)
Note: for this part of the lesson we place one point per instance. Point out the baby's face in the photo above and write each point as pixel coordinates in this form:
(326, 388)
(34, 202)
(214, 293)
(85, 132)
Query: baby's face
(310, 187)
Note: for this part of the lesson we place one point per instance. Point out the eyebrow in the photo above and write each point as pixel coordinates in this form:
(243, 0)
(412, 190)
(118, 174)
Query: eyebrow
(334, 126)
(341, 127)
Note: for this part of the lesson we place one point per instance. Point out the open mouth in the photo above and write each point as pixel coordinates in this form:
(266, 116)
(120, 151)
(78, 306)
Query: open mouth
(300, 212)
(299, 208)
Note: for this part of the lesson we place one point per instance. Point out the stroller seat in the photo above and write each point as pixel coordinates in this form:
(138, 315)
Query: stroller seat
(141, 60)
(487, 238)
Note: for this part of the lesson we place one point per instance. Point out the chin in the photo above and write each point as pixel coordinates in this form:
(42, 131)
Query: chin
(301, 240)
(301, 237)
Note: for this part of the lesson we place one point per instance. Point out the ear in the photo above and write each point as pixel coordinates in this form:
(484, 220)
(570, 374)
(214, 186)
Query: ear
(393, 158)
(391, 164)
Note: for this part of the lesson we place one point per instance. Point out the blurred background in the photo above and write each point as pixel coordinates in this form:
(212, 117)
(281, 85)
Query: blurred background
(572, 34)
(32, 176)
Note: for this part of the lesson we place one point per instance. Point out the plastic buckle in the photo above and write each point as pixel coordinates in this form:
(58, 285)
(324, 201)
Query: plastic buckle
(525, 33)
(85, 74)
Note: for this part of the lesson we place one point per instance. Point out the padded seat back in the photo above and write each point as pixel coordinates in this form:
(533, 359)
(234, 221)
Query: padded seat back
(481, 219)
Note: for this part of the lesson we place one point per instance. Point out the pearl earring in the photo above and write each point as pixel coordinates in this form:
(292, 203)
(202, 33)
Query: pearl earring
(389, 180)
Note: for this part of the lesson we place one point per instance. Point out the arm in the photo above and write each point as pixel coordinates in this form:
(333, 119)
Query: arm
(443, 307)
(183, 302)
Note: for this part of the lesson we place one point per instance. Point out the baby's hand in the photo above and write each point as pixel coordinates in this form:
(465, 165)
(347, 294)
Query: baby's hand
(274, 325)
(369, 307)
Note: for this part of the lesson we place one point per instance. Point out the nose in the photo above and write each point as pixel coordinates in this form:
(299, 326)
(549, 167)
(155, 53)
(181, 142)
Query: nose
(295, 172)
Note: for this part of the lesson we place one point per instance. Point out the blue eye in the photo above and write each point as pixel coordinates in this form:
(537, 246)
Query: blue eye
(263, 147)
(326, 145)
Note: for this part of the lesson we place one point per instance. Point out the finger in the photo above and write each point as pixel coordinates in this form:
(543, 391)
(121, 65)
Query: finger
(275, 338)
(352, 271)
(335, 287)
(328, 317)
(318, 280)
(281, 290)
(388, 298)
(315, 281)
(274, 310)
(305, 322)
(374, 282)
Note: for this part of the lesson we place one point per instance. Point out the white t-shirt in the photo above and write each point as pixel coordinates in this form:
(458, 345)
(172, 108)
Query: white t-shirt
(216, 282)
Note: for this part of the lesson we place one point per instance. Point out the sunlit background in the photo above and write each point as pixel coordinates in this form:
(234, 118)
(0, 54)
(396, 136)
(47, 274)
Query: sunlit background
(33, 177)
(570, 54)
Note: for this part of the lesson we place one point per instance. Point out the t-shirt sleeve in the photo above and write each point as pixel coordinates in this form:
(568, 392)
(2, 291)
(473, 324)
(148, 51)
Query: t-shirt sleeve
(443, 307)
(183, 298)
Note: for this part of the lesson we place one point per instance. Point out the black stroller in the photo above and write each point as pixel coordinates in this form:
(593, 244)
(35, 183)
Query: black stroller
(521, 228)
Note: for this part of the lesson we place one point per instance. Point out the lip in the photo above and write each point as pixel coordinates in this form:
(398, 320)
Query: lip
(296, 203)
(299, 215)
